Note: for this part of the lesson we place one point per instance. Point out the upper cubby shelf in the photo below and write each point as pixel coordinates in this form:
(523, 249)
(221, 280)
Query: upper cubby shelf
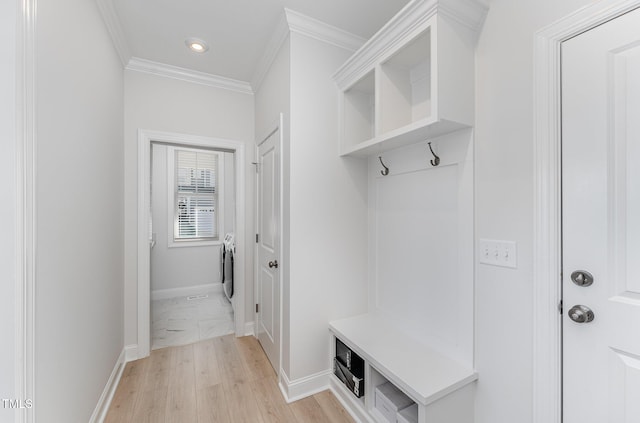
(359, 110)
(413, 80)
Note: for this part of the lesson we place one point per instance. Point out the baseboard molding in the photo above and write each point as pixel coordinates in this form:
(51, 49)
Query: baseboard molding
(131, 353)
(163, 294)
(249, 329)
(303, 387)
(100, 412)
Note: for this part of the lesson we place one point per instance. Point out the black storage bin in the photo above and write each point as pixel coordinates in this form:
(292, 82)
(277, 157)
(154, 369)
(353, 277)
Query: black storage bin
(349, 368)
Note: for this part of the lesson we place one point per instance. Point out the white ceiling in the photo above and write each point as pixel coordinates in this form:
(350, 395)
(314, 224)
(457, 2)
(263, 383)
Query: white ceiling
(237, 31)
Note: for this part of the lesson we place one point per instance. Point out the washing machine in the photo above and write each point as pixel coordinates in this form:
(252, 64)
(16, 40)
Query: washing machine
(228, 252)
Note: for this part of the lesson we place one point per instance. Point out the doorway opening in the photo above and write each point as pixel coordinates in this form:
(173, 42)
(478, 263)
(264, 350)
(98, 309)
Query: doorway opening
(192, 298)
(192, 244)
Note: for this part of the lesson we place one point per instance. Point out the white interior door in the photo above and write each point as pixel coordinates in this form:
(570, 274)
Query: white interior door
(601, 222)
(268, 252)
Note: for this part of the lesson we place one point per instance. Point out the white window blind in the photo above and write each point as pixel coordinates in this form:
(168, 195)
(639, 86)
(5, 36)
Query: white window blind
(196, 195)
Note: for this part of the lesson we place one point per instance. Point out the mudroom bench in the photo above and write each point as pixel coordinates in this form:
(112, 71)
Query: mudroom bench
(402, 379)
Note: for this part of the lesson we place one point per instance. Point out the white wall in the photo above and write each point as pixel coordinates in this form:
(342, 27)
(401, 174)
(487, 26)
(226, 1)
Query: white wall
(184, 267)
(164, 104)
(272, 98)
(79, 208)
(273, 95)
(328, 210)
(324, 218)
(421, 242)
(504, 200)
(8, 193)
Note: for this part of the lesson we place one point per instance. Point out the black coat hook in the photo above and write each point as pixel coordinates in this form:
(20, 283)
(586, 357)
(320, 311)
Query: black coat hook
(384, 172)
(436, 159)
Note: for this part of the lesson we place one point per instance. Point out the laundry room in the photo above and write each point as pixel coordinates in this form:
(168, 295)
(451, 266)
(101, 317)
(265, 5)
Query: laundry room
(184, 292)
(193, 199)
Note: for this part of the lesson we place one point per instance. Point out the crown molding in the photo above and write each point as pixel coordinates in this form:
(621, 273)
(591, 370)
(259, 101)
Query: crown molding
(114, 26)
(321, 31)
(470, 13)
(278, 37)
(160, 69)
(292, 21)
(415, 14)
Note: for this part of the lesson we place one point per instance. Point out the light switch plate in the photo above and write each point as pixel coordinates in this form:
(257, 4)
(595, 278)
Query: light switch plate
(498, 253)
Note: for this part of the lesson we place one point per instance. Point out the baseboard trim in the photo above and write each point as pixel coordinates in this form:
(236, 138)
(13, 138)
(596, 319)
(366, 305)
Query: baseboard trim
(249, 329)
(131, 353)
(100, 412)
(164, 294)
(303, 387)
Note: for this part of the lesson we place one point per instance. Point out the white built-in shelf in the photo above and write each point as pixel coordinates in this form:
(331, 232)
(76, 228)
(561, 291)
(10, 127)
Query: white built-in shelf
(412, 133)
(359, 110)
(405, 84)
(422, 373)
(413, 80)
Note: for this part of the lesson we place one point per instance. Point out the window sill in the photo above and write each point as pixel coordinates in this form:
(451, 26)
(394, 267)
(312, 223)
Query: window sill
(194, 243)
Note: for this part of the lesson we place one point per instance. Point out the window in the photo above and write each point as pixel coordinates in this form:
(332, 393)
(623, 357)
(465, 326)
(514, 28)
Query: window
(195, 195)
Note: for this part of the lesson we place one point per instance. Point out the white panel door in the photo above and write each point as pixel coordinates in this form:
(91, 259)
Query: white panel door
(601, 222)
(268, 286)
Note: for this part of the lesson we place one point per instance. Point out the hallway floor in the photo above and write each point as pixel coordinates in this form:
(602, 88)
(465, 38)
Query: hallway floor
(182, 321)
(224, 379)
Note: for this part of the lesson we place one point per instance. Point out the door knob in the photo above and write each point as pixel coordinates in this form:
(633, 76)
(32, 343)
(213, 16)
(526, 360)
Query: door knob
(582, 278)
(581, 314)
(273, 264)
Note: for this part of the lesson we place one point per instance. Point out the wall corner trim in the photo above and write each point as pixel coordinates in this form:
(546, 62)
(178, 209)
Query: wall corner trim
(102, 408)
(114, 26)
(130, 353)
(169, 71)
(303, 387)
(292, 21)
(278, 37)
(25, 207)
(547, 338)
(470, 13)
(249, 328)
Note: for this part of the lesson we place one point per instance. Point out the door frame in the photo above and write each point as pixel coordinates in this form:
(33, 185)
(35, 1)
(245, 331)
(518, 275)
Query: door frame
(547, 264)
(278, 125)
(25, 235)
(145, 138)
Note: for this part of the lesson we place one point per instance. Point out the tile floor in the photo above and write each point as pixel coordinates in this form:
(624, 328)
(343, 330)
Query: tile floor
(181, 321)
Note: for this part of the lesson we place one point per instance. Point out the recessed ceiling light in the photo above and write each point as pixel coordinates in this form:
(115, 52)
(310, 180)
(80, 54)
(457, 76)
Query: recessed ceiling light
(196, 45)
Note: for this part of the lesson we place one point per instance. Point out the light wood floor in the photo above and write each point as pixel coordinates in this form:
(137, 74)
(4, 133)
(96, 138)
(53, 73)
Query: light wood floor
(224, 379)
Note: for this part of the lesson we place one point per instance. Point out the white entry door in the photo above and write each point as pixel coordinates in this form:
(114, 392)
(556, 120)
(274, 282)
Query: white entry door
(268, 251)
(601, 223)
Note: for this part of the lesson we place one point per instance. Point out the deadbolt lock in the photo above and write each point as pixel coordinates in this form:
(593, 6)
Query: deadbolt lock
(581, 314)
(582, 278)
